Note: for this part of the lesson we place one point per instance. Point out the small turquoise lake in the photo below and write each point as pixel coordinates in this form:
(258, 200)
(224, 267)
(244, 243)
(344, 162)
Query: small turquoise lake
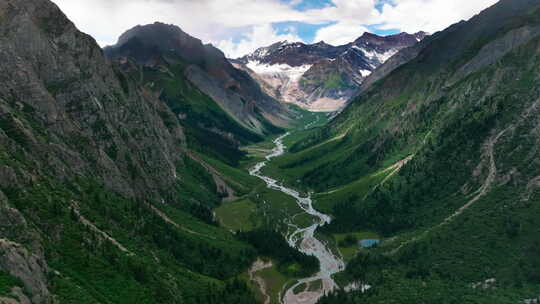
(368, 243)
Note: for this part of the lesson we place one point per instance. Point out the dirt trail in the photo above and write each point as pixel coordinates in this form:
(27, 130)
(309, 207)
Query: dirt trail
(483, 190)
(486, 186)
(75, 207)
(222, 186)
(400, 164)
(168, 220)
(395, 169)
(342, 135)
(256, 267)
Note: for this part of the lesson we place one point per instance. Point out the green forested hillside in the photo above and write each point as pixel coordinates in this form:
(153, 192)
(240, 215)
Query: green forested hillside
(108, 249)
(109, 173)
(439, 157)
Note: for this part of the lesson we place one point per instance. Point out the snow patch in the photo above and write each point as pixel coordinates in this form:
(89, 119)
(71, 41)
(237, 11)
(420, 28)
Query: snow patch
(261, 52)
(293, 73)
(374, 55)
(365, 73)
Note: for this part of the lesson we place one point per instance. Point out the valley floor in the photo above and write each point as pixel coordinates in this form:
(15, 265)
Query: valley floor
(268, 207)
(291, 213)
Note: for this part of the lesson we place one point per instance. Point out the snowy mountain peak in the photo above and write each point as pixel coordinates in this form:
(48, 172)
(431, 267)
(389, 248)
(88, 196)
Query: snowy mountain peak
(387, 42)
(321, 44)
(321, 76)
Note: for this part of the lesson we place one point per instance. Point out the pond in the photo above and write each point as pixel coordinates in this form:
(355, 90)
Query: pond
(368, 243)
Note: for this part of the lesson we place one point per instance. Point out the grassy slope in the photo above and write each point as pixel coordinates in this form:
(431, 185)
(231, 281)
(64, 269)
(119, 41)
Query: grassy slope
(190, 261)
(92, 270)
(446, 130)
(238, 215)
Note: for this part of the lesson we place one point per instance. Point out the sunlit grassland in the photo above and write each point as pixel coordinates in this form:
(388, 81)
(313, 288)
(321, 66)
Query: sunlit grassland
(263, 207)
(239, 215)
(326, 201)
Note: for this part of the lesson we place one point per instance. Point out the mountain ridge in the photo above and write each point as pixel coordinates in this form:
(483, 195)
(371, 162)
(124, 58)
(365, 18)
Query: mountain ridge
(320, 76)
(438, 157)
(93, 169)
(208, 69)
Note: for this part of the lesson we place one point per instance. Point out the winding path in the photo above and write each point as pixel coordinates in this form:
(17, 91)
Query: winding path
(304, 239)
(258, 266)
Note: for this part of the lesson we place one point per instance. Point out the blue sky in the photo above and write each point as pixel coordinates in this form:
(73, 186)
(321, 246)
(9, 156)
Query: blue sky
(307, 32)
(309, 4)
(240, 26)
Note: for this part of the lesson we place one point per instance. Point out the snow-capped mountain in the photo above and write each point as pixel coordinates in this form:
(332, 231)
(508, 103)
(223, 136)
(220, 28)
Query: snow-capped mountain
(319, 76)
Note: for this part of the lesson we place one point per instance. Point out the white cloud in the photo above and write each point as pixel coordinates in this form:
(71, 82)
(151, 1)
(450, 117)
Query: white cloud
(209, 20)
(429, 15)
(340, 33)
(260, 35)
(221, 21)
(359, 11)
(405, 15)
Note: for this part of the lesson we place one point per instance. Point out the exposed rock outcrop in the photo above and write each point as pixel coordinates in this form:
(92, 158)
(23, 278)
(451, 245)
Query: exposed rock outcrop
(68, 113)
(30, 268)
(234, 90)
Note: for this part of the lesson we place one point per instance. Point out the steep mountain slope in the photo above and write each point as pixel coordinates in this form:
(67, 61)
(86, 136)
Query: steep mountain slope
(441, 158)
(101, 201)
(209, 129)
(321, 76)
(206, 67)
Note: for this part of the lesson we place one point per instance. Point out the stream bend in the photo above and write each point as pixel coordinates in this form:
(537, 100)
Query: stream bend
(303, 239)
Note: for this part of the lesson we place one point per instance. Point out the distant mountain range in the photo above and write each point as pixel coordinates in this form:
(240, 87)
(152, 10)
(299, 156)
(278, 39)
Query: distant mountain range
(319, 76)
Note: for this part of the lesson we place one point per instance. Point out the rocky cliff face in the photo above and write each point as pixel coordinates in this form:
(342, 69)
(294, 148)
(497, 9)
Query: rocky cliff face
(234, 90)
(84, 152)
(320, 76)
(64, 105)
